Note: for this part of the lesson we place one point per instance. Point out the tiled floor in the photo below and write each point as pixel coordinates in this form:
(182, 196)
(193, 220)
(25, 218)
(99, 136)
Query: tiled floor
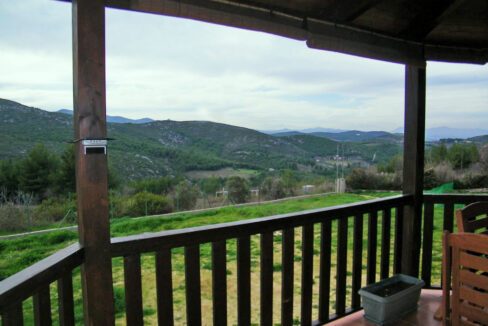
(424, 316)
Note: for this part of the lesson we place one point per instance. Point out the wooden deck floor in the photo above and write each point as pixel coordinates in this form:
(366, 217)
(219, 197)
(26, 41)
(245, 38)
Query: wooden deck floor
(424, 316)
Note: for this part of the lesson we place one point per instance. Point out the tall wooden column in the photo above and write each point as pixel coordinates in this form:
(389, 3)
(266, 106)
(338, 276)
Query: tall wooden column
(91, 169)
(413, 166)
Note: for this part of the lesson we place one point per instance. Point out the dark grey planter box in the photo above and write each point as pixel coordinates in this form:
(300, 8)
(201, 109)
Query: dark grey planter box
(389, 299)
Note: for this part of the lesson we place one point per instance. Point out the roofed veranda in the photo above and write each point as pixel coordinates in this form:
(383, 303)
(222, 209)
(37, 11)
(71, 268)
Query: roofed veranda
(405, 32)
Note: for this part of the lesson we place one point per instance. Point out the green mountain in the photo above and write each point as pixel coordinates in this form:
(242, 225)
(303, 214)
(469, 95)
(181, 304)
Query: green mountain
(171, 147)
(479, 139)
(361, 136)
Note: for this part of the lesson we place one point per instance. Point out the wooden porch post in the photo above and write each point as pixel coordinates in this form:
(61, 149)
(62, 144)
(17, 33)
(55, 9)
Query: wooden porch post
(413, 166)
(91, 168)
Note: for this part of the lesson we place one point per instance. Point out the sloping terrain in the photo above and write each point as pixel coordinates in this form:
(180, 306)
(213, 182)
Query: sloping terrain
(171, 147)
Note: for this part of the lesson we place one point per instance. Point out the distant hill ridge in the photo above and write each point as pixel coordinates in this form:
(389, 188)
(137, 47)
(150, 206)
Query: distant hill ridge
(431, 134)
(115, 119)
(170, 147)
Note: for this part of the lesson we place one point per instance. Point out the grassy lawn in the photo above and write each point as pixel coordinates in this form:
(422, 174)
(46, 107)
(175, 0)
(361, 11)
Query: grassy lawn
(20, 253)
(17, 254)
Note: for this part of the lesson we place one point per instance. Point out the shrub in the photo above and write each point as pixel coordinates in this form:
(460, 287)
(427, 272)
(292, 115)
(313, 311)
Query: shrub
(54, 209)
(185, 196)
(159, 186)
(117, 206)
(444, 172)
(12, 217)
(362, 179)
(430, 180)
(371, 180)
(472, 181)
(238, 189)
(273, 188)
(145, 203)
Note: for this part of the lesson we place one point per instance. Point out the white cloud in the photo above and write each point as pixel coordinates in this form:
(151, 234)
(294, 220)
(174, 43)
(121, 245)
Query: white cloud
(163, 67)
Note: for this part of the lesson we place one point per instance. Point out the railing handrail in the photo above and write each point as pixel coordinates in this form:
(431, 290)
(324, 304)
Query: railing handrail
(453, 198)
(149, 242)
(26, 282)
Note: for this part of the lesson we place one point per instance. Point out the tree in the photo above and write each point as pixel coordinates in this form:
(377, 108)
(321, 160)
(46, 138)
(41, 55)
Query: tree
(186, 196)
(438, 153)
(289, 181)
(37, 171)
(146, 203)
(238, 190)
(462, 156)
(9, 177)
(210, 185)
(484, 157)
(273, 188)
(67, 174)
(394, 165)
(160, 186)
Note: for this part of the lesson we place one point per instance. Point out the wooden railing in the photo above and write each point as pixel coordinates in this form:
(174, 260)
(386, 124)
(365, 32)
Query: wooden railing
(438, 216)
(340, 249)
(35, 282)
(333, 224)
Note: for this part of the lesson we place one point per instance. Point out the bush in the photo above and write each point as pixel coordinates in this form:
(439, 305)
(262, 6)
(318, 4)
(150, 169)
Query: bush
(273, 188)
(12, 217)
(159, 186)
(430, 179)
(472, 182)
(371, 180)
(53, 210)
(146, 203)
(117, 206)
(185, 196)
(238, 189)
(444, 173)
(361, 179)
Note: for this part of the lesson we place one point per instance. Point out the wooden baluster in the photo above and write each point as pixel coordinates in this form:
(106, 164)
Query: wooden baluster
(341, 266)
(397, 268)
(164, 287)
(372, 243)
(427, 243)
(266, 279)
(357, 262)
(65, 300)
(449, 216)
(219, 282)
(385, 243)
(193, 289)
(42, 307)
(324, 282)
(287, 277)
(307, 274)
(243, 281)
(13, 315)
(133, 290)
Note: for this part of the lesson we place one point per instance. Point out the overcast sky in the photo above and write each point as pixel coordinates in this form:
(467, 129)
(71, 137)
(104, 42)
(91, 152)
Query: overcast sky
(168, 68)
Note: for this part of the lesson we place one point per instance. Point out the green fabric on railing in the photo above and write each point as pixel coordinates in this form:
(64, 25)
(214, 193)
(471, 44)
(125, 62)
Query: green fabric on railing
(442, 189)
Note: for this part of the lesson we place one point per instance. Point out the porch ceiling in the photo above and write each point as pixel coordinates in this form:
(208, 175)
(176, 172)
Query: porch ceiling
(403, 31)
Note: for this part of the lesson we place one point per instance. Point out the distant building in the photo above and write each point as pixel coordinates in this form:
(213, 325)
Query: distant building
(255, 192)
(308, 189)
(222, 193)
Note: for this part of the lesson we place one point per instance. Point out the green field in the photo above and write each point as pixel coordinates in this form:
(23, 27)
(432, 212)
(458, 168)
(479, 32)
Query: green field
(20, 253)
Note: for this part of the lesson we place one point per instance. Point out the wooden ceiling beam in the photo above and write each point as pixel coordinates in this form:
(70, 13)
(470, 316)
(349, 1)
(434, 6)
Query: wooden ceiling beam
(342, 11)
(431, 15)
(319, 34)
(457, 55)
(331, 37)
